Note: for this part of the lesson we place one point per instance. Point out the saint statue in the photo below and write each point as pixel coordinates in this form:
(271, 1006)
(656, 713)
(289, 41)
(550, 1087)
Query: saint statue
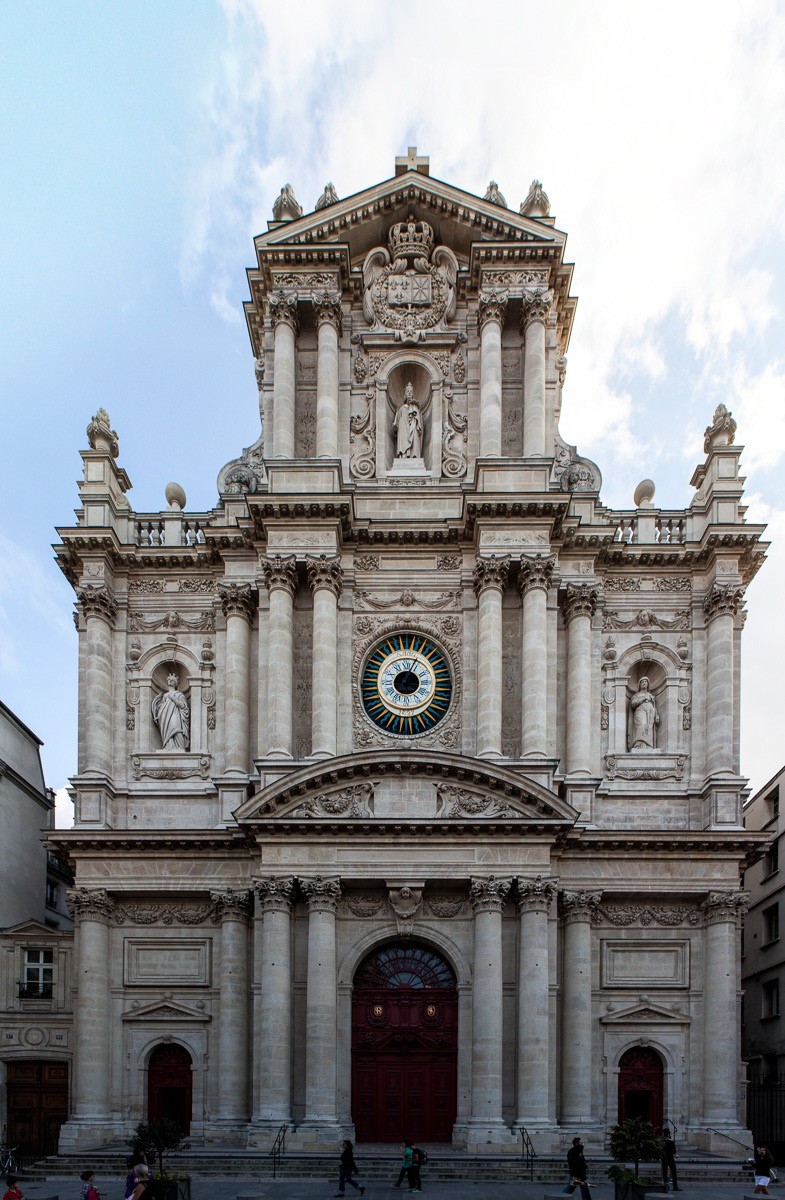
(408, 427)
(170, 713)
(643, 717)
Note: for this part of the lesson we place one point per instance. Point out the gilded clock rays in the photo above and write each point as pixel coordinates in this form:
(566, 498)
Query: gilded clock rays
(406, 685)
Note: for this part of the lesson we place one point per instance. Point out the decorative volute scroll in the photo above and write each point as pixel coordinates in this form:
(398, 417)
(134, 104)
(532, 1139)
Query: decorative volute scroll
(282, 307)
(410, 286)
(491, 572)
(237, 600)
(101, 436)
(280, 572)
(362, 440)
(454, 441)
(325, 572)
(536, 203)
(275, 895)
(232, 905)
(536, 572)
(350, 803)
(92, 904)
(492, 306)
(579, 600)
(97, 601)
(721, 600)
(489, 895)
(721, 432)
(535, 895)
(536, 306)
(725, 907)
(405, 901)
(579, 906)
(321, 895)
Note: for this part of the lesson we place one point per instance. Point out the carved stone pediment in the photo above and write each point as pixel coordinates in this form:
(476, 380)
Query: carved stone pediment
(645, 1011)
(165, 1010)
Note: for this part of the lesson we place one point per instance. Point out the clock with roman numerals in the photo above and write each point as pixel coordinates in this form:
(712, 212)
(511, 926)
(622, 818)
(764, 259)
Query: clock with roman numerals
(406, 684)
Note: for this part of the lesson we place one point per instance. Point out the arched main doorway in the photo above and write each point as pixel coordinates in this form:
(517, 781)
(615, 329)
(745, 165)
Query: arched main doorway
(641, 1079)
(404, 1045)
(170, 1085)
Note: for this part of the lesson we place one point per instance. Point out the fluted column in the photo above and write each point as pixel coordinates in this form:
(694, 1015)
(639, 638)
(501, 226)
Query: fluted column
(273, 1100)
(326, 580)
(534, 899)
(283, 314)
(232, 909)
(487, 898)
(578, 908)
(327, 313)
(322, 896)
(579, 603)
(536, 307)
(238, 601)
(534, 580)
(490, 580)
(721, 981)
(280, 575)
(92, 909)
(720, 606)
(99, 609)
(491, 312)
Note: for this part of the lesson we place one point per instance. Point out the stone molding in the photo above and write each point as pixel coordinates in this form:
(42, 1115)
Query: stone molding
(722, 908)
(579, 600)
(491, 572)
(91, 904)
(321, 895)
(579, 906)
(238, 600)
(231, 905)
(325, 572)
(282, 307)
(97, 601)
(327, 309)
(275, 895)
(491, 306)
(535, 895)
(280, 572)
(536, 308)
(489, 895)
(722, 600)
(535, 572)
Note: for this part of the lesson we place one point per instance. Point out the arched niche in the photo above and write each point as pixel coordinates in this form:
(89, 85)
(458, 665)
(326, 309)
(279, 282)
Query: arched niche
(669, 676)
(146, 678)
(416, 371)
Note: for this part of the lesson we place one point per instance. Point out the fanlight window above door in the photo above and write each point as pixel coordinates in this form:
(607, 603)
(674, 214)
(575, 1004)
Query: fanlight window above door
(404, 967)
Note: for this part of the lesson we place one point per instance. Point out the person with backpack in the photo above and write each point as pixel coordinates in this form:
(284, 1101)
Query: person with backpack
(419, 1159)
(406, 1165)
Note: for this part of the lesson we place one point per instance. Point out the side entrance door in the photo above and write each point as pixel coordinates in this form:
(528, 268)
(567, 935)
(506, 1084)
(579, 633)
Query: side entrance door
(37, 1105)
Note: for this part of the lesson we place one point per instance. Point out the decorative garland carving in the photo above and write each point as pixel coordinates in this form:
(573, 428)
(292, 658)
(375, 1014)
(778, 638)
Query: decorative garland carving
(162, 914)
(675, 770)
(365, 906)
(646, 619)
(362, 441)
(445, 907)
(138, 623)
(647, 914)
(407, 599)
(452, 801)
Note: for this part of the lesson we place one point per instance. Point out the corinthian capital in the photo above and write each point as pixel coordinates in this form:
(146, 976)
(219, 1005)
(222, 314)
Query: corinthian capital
(536, 572)
(488, 895)
(492, 306)
(535, 895)
(722, 600)
(321, 895)
(91, 904)
(237, 600)
(725, 908)
(282, 307)
(97, 601)
(579, 600)
(536, 307)
(280, 572)
(231, 905)
(491, 572)
(275, 895)
(327, 309)
(324, 572)
(579, 906)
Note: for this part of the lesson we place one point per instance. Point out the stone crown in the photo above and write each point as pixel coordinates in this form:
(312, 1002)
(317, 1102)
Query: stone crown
(411, 238)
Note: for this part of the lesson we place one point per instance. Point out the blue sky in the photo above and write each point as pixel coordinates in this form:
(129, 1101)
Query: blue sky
(143, 145)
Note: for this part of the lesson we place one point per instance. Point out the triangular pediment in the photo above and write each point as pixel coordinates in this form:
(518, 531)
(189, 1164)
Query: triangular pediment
(165, 1010)
(33, 928)
(645, 1011)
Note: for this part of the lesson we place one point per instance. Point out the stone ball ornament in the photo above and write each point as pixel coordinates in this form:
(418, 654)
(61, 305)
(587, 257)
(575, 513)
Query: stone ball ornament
(406, 684)
(175, 496)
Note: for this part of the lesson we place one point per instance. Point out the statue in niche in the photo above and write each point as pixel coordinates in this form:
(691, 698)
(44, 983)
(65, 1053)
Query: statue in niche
(171, 715)
(408, 427)
(643, 717)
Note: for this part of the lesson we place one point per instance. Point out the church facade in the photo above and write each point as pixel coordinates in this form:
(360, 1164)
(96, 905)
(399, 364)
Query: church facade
(409, 798)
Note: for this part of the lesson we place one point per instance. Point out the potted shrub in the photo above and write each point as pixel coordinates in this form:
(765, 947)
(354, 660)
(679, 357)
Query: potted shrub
(154, 1139)
(635, 1140)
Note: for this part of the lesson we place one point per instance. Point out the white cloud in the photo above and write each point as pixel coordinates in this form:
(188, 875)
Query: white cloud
(758, 404)
(64, 809)
(25, 588)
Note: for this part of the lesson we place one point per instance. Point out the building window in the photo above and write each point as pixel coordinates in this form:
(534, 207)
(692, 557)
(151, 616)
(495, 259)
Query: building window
(38, 974)
(771, 863)
(771, 924)
(770, 997)
(52, 893)
(771, 1072)
(772, 803)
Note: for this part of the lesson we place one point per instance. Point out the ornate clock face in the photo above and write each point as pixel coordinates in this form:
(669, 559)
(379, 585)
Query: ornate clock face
(406, 685)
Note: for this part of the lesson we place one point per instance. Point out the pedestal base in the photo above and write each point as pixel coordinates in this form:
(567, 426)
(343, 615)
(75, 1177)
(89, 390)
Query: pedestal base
(316, 1135)
(89, 1133)
(488, 1137)
(408, 468)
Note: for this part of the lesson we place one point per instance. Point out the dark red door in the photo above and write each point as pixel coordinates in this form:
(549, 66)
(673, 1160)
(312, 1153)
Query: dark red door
(404, 1046)
(169, 1085)
(641, 1085)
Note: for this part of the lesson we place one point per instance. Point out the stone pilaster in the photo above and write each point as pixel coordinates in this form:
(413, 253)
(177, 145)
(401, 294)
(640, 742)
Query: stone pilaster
(322, 896)
(578, 604)
(721, 1018)
(535, 578)
(491, 312)
(326, 579)
(487, 898)
(533, 1084)
(283, 315)
(720, 606)
(273, 1095)
(99, 610)
(578, 909)
(490, 580)
(91, 1105)
(536, 308)
(232, 910)
(238, 601)
(280, 575)
(327, 314)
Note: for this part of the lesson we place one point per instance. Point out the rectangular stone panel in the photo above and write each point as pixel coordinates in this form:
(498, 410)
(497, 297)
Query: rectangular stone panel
(644, 964)
(159, 962)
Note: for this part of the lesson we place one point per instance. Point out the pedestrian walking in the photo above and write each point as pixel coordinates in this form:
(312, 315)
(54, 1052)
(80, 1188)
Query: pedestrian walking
(13, 1190)
(89, 1190)
(763, 1164)
(142, 1186)
(133, 1177)
(347, 1170)
(419, 1159)
(578, 1169)
(406, 1165)
(668, 1162)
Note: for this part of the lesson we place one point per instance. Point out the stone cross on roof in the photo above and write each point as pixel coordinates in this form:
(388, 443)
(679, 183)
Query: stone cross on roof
(412, 163)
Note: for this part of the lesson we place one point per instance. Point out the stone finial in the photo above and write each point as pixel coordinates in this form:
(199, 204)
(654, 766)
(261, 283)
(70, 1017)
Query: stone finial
(100, 434)
(644, 494)
(175, 496)
(286, 207)
(536, 203)
(721, 432)
(329, 196)
(494, 195)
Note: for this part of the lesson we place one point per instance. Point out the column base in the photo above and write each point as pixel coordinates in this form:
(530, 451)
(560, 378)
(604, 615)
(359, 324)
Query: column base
(316, 1135)
(488, 1137)
(721, 1139)
(545, 1134)
(226, 1131)
(90, 1133)
(261, 1134)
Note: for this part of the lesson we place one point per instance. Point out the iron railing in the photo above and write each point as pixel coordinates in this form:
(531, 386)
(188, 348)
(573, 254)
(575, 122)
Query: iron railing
(528, 1153)
(278, 1149)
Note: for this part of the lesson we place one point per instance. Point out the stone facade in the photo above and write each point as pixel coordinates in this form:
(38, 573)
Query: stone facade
(409, 687)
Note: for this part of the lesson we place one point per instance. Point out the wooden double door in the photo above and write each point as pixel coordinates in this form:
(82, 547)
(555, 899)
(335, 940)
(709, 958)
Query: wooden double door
(641, 1079)
(37, 1105)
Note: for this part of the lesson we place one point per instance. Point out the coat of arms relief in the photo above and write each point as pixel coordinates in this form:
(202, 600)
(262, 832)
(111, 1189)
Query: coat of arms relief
(410, 286)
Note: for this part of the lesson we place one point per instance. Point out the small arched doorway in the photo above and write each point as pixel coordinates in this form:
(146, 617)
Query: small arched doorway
(170, 1085)
(404, 1045)
(641, 1078)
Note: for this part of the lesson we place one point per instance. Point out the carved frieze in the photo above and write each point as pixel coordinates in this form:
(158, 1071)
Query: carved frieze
(129, 912)
(644, 618)
(448, 562)
(445, 907)
(647, 914)
(407, 599)
(365, 906)
(452, 802)
(185, 766)
(356, 801)
(367, 562)
(173, 621)
(625, 768)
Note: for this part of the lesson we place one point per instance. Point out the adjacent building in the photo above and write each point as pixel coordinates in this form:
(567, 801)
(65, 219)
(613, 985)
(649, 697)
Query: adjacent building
(409, 797)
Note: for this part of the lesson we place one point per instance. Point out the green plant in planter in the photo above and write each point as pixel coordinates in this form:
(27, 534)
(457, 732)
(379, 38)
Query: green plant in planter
(154, 1139)
(627, 1185)
(635, 1140)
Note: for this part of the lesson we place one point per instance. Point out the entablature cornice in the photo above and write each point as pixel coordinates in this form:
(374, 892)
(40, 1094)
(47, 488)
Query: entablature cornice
(75, 844)
(741, 845)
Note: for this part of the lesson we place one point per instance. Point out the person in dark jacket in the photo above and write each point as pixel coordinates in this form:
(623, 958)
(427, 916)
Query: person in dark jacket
(668, 1162)
(579, 1171)
(764, 1161)
(348, 1169)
